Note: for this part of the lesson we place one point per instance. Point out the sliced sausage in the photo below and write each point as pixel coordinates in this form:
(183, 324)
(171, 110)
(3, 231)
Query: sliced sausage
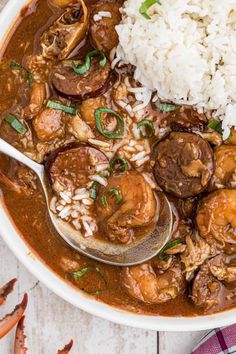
(185, 119)
(183, 164)
(71, 166)
(102, 29)
(95, 82)
(206, 289)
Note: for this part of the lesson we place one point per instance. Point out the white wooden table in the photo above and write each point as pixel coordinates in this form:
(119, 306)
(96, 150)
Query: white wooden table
(51, 322)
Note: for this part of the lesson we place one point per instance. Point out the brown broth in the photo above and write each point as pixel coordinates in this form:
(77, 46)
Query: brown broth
(30, 214)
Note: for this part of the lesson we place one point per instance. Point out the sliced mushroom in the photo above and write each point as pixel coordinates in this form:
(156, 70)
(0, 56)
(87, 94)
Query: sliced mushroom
(93, 83)
(71, 166)
(102, 27)
(66, 32)
(183, 164)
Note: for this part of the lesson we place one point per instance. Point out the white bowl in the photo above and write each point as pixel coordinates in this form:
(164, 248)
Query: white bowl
(64, 290)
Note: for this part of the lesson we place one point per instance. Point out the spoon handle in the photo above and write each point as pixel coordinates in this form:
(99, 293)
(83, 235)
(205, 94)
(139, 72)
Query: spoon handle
(10, 151)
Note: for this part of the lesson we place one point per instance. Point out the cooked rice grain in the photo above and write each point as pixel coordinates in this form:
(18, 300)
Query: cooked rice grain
(186, 52)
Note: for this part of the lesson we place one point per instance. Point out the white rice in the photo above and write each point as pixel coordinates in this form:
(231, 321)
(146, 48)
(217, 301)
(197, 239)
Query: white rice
(186, 52)
(100, 143)
(101, 14)
(76, 208)
(138, 156)
(101, 180)
(149, 178)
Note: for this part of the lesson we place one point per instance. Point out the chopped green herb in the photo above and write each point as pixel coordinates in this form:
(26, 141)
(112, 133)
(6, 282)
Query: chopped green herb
(215, 125)
(103, 174)
(61, 107)
(82, 69)
(16, 124)
(93, 190)
(80, 273)
(145, 7)
(30, 78)
(118, 133)
(166, 107)
(148, 124)
(118, 164)
(161, 255)
(114, 191)
(16, 66)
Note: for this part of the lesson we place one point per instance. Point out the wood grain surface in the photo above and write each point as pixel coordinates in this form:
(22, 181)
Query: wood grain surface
(51, 322)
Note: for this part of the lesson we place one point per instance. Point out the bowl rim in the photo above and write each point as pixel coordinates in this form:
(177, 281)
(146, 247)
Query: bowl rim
(38, 268)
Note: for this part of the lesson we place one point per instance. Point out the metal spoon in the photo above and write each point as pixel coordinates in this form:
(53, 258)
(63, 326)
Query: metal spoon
(142, 249)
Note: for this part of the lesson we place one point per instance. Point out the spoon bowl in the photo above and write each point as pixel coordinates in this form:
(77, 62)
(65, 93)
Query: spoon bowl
(140, 250)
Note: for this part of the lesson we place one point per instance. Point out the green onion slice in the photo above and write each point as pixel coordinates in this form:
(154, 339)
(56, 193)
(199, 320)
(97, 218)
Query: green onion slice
(166, 107)
(148, 124)
(161, 255)
(80, 273)
(61, 107)
(93, 190)
(215, 125)
(114, 191)
(16, 124)
(119, 132)
(16, 66)
(146, 5)
(118, 164)
(82, 69)
(104, 174)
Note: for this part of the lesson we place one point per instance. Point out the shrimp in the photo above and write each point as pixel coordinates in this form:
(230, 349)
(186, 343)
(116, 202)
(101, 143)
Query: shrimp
(37, 98)
(48, 125)
(88, 107)
(216, 219)
(151, 284)
(225, 167)
(137, 208)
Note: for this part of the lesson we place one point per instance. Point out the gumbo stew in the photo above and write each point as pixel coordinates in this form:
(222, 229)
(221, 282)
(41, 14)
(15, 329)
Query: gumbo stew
(111, 147)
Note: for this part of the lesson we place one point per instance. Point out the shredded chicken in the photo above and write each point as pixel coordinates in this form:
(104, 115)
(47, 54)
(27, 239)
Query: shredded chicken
(196, 252)
(223, 269)
(80, 129)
